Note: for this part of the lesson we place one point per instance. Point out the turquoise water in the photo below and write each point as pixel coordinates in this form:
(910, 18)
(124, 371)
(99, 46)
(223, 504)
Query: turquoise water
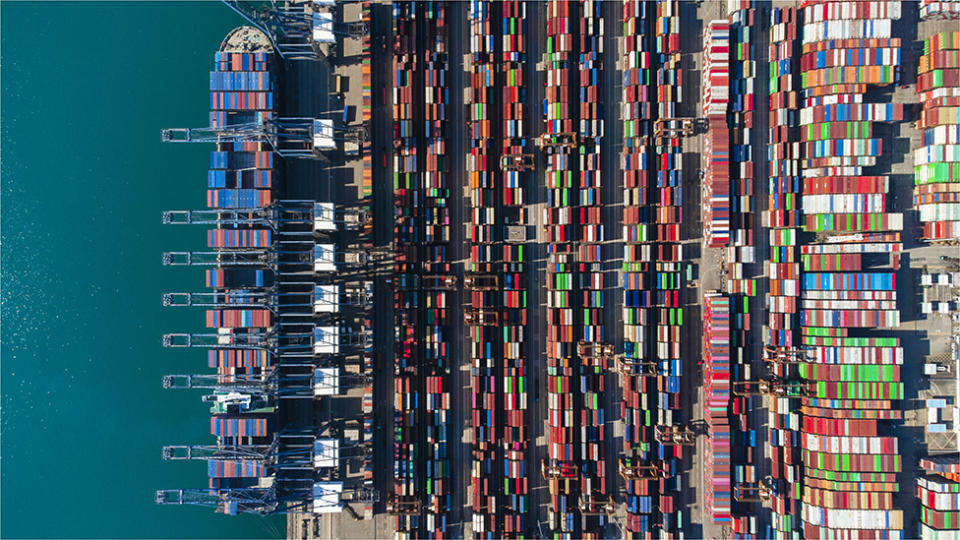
(86, 88)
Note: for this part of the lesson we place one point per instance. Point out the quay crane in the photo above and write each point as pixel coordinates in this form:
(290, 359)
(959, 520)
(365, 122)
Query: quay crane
(318, 497)
(266, 384)
(286, 452)
(322, 298)
(288, 137)
(297, 31)
(324, 257)
(320, 341)
(322, 216)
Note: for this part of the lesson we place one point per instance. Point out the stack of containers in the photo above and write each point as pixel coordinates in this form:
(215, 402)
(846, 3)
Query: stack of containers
(742, 76)
(482, 175)
(241, 176)
(667, 275)
(594, 491)
(562, 195)
(743, 438)
(939, 494)
(367, 238)
(939, 9)
(937, 162)
(435, 358)
(407, 296)
(847, 47)
(241, 92)
(514, 283)
(716, 147)
(716, 389)
(639, 394)
(366, 109)
(783, 218)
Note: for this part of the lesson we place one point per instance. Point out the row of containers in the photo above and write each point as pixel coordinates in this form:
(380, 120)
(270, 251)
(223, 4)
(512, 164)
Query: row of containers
(833, 382)
(936, 196)
(936, 163)
(366, 112)
(782, 220)
(650, 161)
(670, 435)
(715, 100)
(718, 481)
(423, 283)
(561, 469)
(405, 497)
(241, 175)
(595, 501)
(938, 490)
(744, 456)
(496, 279)
(727, 105)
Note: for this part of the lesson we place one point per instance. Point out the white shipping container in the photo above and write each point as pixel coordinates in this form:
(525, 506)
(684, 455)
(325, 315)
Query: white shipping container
(843, 203)
(842, 518)
(936, 153)
(879, 247)
(948, 134)
(846, 29)
(856, 355)
(849, 295)
(940, 212)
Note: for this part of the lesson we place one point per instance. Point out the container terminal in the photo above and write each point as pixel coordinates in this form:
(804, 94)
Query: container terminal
(579, 269)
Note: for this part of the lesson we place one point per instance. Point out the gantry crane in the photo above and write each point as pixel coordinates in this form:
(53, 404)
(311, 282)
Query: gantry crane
(517, 162)
(566, 139)
(678, 435)
(590, 349)
(769, 388)
(605, 352)
(760, 493)
(784, 355)
(297, 30)
(241, 257)
(590, 506)
(481, 317)
(562, 469)
(283, 256)
(319, 297)
(481, 282)
(266, 500)
(636, 368)
(286, 451)
(439, 282)
(321, 216)
(322, 337)
(288, 137)
(403, 505)
(630, 471)
(672, 126)
(253, 500)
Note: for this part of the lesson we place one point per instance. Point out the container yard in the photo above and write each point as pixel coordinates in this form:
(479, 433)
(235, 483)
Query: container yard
(624, 269)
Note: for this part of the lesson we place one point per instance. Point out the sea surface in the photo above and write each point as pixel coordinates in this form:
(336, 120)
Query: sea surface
(86, 88)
